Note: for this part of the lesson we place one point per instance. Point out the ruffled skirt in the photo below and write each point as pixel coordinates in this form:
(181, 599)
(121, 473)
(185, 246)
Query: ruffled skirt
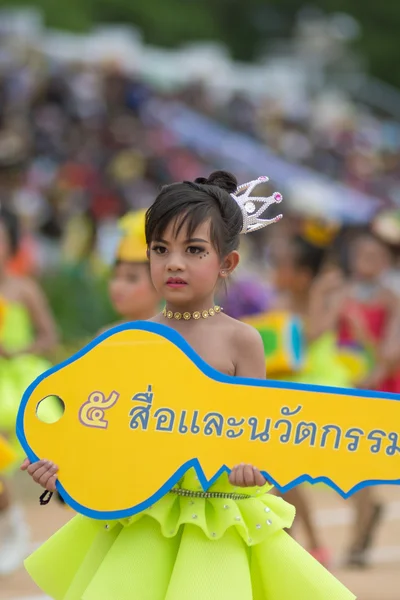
(185, 548)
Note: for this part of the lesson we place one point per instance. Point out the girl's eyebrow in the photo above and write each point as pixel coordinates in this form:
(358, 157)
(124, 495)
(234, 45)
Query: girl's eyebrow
(190, 241)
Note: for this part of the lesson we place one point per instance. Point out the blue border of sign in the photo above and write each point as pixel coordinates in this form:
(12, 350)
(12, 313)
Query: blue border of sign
(176, 338)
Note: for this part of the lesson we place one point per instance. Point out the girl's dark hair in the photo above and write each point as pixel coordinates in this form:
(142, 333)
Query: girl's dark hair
(192, 203)
(11, 224)
(308, 256)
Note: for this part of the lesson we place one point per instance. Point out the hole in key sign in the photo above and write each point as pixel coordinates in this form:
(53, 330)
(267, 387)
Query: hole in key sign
(50, 409)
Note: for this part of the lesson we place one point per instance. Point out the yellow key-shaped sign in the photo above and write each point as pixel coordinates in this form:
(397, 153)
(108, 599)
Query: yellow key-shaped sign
(141, 408)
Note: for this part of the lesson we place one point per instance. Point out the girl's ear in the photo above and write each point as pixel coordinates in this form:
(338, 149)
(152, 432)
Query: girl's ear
(229, 264)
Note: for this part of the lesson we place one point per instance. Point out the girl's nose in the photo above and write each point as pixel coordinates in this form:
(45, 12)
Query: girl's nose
(175, 263)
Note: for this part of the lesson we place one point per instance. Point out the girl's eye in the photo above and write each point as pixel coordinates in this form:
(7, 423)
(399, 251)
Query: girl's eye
(194, 250)
(159, 249)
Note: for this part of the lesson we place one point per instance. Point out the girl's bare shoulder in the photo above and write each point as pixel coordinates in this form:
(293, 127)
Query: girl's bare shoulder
(241, 334)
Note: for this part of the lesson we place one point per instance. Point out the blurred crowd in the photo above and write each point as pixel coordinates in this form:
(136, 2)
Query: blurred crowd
(78, 148)
(330, 134)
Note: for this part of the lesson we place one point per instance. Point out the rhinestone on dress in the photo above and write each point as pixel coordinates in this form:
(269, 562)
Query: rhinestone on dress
(258, 526)
(194, 516)
(226, 506)
(214, 534)
(238, 519)
(269, 522)
(267, 509)
(107, 526)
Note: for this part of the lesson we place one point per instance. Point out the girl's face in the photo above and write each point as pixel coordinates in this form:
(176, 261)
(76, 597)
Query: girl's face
(287, 276)
(185, 272)
(132, 294)
(368, 259)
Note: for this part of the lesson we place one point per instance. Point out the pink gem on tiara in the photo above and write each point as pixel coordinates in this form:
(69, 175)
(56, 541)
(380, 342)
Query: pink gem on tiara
(263, 178)
(278, 197)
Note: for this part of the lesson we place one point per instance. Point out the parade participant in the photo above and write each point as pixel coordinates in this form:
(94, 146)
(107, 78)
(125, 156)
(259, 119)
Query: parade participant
(369, 318)
(27, 333)
(302, 291)
(228, 542)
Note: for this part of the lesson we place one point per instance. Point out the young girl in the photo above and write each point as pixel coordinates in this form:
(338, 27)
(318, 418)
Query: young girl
(297, 264)
(369, 318)
(132, 293)
(27, 331)
(198, 546)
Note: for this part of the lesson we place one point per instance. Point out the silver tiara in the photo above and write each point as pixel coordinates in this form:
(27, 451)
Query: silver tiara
(254, 206)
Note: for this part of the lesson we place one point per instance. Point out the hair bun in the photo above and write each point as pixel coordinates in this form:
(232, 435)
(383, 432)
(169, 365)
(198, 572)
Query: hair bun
(201, 180)
(224, 180)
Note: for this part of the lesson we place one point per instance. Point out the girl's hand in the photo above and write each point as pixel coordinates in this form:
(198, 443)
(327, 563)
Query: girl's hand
(246, 476)
(43, 472)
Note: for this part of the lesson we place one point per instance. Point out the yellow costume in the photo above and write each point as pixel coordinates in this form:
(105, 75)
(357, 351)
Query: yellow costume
(17, 372)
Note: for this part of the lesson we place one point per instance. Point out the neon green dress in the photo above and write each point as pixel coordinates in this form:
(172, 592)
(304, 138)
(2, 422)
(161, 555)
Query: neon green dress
(323, 365)
(17, 373)
(186, 548)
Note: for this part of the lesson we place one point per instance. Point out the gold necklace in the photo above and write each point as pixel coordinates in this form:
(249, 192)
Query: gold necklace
(204, 314)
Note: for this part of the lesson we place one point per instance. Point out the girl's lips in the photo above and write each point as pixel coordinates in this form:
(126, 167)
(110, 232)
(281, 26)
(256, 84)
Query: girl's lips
(176, 282)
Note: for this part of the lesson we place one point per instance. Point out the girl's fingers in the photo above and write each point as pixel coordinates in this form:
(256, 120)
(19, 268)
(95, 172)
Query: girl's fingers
(239, 476)
(25, 464)
(259, 478)
(47, 481)
(39, 473)
(33, 467)
(248, 476)
(51, 484)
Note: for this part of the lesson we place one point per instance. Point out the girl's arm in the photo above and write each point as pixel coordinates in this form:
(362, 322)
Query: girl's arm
(387, 355)
(250, 362)
(325, 302)
(42, 319)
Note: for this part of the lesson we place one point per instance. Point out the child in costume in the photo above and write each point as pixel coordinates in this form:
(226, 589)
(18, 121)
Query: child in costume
(27, 331)
(369, 318)
(228, 542)
(296, 262)
(132, 293)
